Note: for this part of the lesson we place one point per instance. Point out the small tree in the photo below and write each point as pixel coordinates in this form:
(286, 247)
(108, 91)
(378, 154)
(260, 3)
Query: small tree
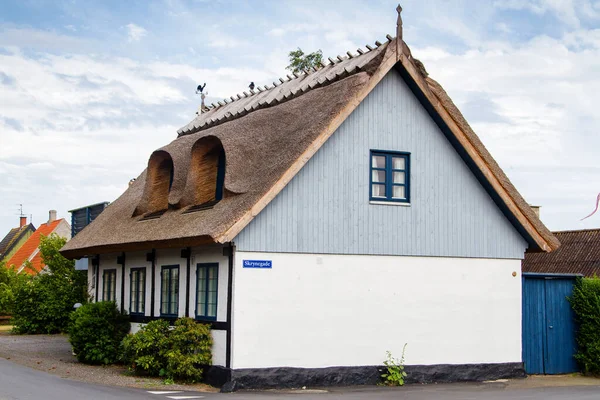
(10, 283)
(300, 61)
(44, 303)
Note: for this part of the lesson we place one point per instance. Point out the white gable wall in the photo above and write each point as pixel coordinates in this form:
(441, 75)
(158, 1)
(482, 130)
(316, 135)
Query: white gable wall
(351, 279)
(346, 310)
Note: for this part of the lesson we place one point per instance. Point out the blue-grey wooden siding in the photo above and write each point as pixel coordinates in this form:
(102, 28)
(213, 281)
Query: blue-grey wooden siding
(326, 209)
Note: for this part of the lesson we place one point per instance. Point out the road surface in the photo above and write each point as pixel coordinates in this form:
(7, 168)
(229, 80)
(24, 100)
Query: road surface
(22, 383)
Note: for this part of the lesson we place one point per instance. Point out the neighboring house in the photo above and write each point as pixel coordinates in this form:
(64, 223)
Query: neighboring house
(15, 238)
(578, 254)
(30, 252)
(316, 224)
(80, 218)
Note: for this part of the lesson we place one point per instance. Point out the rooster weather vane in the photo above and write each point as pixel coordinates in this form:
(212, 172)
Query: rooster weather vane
(200, 91)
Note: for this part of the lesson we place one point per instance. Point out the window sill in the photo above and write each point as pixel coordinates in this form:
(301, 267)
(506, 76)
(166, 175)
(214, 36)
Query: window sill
(389, 203)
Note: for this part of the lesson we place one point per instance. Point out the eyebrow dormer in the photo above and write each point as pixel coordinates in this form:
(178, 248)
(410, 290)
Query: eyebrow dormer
(206, 174)
(159, 180)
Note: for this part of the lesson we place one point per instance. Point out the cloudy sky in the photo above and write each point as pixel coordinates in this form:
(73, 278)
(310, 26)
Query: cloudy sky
(88, 89)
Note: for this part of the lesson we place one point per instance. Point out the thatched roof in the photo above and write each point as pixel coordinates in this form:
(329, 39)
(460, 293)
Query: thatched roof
(268, 135)
(579, 253)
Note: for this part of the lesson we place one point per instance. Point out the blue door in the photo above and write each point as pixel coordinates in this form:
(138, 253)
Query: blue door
(548, 325)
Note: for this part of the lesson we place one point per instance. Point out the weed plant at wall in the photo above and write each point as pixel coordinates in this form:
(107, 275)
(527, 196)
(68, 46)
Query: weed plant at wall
(395, 374)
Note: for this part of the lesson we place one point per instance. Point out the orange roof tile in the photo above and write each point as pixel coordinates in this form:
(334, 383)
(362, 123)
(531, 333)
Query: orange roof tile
(31, 246)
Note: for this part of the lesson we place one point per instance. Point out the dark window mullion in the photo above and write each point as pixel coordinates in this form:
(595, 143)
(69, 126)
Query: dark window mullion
(130, 292)
(389, 177)
(206, 285)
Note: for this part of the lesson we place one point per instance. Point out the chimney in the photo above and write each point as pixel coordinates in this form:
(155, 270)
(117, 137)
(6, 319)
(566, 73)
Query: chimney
(536, 210)
(51, 216)
(22, 222)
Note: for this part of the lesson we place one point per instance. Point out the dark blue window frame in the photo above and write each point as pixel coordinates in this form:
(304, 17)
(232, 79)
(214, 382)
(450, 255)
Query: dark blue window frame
(220, 176)
(172, 298)
(203, 290)
(389, 173)
(109, 285)
(137, 298)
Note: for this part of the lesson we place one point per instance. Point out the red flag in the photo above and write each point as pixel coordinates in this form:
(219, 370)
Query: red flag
(596, 209)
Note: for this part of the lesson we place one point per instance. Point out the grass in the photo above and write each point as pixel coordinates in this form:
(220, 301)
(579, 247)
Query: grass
(5, 328)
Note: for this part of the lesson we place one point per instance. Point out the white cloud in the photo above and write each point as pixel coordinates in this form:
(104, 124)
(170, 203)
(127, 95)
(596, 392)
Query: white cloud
(76, 126)
(135, 32)
(543, 93)
(568, 12)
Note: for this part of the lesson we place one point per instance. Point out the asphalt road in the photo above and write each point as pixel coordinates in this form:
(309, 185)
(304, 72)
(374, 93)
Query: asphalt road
(22, 383)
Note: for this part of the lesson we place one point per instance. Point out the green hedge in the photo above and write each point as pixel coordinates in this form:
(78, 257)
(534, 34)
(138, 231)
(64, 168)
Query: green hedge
(586, 305)
(96, 331)
(43, 305)
(178, 353)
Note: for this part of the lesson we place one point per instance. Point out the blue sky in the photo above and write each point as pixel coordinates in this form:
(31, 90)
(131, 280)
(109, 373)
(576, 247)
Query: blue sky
(88, 89)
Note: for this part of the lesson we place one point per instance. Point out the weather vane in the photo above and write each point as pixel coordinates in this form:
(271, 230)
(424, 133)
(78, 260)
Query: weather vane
(199, 90)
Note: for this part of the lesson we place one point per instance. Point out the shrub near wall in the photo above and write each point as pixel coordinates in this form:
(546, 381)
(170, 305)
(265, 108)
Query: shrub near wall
(178, 353)
(586, 305)
(96, 331)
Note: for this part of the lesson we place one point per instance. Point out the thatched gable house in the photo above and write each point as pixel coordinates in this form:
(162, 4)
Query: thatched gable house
(284, 216)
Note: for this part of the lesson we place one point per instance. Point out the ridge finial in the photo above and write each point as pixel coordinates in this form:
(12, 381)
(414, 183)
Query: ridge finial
(399, 32)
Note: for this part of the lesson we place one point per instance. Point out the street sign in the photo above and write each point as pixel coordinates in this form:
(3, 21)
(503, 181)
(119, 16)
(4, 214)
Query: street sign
(257, 264)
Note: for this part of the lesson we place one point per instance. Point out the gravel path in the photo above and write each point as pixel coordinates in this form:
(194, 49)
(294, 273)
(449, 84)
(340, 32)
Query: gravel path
(52, 353)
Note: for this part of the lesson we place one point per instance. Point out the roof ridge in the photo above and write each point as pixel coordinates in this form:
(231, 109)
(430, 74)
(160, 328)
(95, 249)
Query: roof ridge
(304, 72)
(195, 126)
(578, 230)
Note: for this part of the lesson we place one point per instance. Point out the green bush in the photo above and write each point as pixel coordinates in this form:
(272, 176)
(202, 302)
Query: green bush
(586, 305)
(178, 353)
(43, 304)
(10, 283)
(96, 331)
(145, 351)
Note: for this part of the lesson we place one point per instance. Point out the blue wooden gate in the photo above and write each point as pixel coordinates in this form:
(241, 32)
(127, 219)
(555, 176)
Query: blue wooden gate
(548, 325)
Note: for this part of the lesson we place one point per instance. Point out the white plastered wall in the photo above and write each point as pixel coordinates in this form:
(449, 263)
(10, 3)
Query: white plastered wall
(347, 310)
(166, 257)
(213, 255)
(109, 261)
(137, 260)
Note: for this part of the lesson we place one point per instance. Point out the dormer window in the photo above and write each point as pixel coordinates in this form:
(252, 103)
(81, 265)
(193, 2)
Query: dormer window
(159, 180)
(207, 172)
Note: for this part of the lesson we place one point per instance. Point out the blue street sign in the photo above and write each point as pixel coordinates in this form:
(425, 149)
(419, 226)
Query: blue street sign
(257, 264)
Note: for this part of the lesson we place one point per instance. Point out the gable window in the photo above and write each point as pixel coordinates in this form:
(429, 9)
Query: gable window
(109, 285)
(169, 295)
(207, 279)
(137, 291)
(390, 176)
